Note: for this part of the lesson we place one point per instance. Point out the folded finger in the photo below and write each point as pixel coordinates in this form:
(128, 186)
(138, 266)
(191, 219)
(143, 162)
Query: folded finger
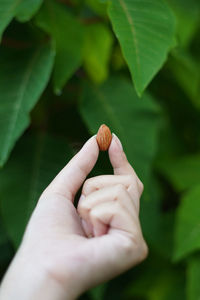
(111, 216)
(116, 193)
(99, 182)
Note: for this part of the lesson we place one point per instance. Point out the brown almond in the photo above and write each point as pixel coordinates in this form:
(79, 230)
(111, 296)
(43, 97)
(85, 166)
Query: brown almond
(104, 137)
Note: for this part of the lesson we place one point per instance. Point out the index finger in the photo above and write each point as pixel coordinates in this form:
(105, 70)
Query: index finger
(118, 158)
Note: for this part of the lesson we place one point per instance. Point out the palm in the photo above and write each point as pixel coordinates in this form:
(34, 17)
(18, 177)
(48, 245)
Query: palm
(62, 245)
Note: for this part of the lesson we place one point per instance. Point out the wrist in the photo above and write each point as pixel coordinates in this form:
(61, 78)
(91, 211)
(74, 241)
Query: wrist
(28, 278)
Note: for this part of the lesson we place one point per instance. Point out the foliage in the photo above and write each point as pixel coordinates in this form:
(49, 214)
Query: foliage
(66, 67)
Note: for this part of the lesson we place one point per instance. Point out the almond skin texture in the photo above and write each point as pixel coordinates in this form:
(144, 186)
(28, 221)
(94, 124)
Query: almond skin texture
(104, 137)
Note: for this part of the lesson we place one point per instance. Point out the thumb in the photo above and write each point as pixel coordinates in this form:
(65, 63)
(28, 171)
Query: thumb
(53, 213)
(71, 177)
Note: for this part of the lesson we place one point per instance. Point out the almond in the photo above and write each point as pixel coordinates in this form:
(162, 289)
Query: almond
(104, 137)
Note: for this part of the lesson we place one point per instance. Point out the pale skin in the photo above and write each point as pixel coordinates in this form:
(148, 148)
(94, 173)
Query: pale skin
(65, 251)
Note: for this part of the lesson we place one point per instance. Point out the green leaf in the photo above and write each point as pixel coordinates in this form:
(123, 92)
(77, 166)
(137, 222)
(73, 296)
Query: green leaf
(22, 9)
(32, 166)
(7, 12)
(170, 144)
(170, 285)
(3, 235)
(5, 248)
(117, 60)
(182, 172)
(97, 6)
(68, 36)
(167, 282)
(97, 51)
(23, 76)
(27, 9)
(186, 71)
(146, 33)
(187, 17)
(157, 226)
(187, 229)
(98, 292)
(193, 275)
(134, 121)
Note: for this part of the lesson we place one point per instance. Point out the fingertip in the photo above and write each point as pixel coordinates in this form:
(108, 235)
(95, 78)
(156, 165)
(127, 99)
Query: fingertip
(115, 147)
(88, 154)
(116, 153)
(117, 141)
(91, 146)
(72, 176)
(118, 158)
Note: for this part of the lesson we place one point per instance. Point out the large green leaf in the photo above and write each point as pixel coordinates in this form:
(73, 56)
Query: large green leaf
(145, 30)
(182, 172)
(22, 9)
(32, 166)
(187, 230)
(7, 12)
(193, 275)
(187, 19)
(99, 7)
(67, 34)
(134, 121)
(98, 293)
(3, 235)
(157, 226)
(5, 248)
(169, 285)
(186, 71)
(27, 8)
(97, 51)
(166, 282)
(23, 77)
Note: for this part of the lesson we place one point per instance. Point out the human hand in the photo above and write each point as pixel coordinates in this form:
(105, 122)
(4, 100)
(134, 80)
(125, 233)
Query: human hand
(66, 251)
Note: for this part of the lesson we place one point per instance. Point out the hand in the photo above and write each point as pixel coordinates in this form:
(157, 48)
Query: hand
(66, 251)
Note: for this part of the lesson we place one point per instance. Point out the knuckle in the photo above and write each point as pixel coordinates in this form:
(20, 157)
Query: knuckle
(119, 188)
(128, 246)
(135, 245)
(140, 186)
(143, 253)
(87, 186)
(83, 207)
(93, 214)
(137, 183)
(145, 250)
(130, 179)
(91, 185)
(117, 206)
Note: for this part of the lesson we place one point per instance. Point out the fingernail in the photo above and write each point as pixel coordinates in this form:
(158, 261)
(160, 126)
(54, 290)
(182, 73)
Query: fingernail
(117, 140)
(87, 228)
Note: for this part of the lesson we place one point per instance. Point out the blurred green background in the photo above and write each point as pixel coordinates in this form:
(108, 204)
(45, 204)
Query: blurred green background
(66, 67)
